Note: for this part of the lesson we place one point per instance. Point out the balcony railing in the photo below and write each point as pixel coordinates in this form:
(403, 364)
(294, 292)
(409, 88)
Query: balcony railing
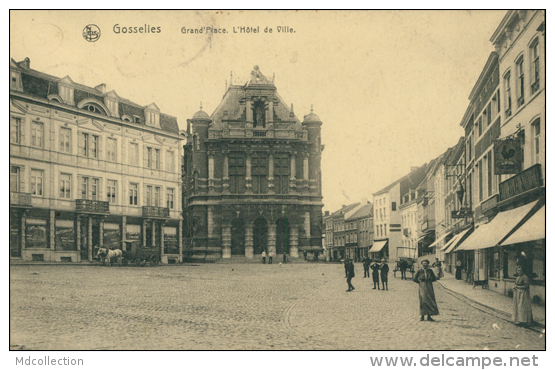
(91, 206)
(259, 133)
(20, 199)
(150, 211)
(529, 179)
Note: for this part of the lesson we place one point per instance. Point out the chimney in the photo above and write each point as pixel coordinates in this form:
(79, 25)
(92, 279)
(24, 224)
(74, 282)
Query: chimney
(101, 88)
(25, 63)
(413, 168)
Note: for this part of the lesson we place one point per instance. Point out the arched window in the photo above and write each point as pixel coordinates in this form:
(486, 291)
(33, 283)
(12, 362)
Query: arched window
(94, 108)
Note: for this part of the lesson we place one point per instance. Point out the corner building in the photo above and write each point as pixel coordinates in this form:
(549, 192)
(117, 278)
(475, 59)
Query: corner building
(89, 169)
(252, 177)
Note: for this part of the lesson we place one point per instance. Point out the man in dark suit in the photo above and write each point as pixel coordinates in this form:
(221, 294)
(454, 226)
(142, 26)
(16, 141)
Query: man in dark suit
(366, 264)
(350, 267)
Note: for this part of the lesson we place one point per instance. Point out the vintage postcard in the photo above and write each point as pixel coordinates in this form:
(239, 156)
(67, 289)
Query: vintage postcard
(278, 180)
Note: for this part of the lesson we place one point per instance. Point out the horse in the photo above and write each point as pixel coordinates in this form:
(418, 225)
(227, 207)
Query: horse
(108, 254)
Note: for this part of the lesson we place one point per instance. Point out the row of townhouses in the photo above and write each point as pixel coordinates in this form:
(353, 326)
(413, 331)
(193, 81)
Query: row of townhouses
(90, 169)
(481, 204)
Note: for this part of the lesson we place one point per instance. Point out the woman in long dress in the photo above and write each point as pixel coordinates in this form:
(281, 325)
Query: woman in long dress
(424, 277)
(522, 305)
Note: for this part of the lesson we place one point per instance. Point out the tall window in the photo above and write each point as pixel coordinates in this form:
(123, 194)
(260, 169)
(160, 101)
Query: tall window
(65, 140)
(169, 198)
(37, 177)
(536, 129)
(535, 58)
(520, 81)
(480, 129)
(480, 180)
(152, 159)
(156, 195)
(65, 186)
(170, 161)
(148, 195)
(507, 81)
(37, 134)
(133, 194)
(89, 188)
(111, 149)
(236, 173)
(88, 145)
(259, 174)
(15, 130)
(15, 178)
(134, 153)
(282, 173)
(490, 174)
(522, 137)
(111, 186)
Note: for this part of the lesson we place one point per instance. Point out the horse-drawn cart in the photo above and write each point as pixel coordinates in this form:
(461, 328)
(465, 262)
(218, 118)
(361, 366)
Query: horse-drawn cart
(135, 253)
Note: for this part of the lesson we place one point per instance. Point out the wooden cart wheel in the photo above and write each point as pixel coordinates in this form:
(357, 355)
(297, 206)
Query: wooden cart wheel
(138, 262)
(153, 260)
(125, 262)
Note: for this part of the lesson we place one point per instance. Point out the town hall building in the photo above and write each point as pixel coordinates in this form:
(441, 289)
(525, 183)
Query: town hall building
(252, 179)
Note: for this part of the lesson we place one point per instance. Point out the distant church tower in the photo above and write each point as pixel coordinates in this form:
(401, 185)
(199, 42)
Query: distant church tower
(252, 178)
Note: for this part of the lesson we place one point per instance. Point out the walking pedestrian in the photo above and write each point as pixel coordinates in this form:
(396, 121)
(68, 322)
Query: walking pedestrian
(345, 265)
(375, 274)
(424, 277)
(438, 269)
(284, 257)
(264, 257)
(458, 270)
(350, 274)
(270, 257)
(384, 270)
(366, 264)
(522, 305)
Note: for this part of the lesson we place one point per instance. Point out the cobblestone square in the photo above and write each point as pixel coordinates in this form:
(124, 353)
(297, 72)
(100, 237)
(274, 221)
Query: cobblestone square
(239, 307)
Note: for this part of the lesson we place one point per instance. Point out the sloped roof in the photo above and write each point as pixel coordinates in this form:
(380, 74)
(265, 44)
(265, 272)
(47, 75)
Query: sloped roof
(42, 84)
(344, 209)
(364, 211)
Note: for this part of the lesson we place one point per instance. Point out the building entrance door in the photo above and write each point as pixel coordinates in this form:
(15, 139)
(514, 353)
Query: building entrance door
(238, 237)
(15, 239)
(282, 236)
(260, 236)
(83, 222)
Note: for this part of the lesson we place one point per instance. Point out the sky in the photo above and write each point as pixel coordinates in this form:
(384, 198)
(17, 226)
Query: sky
(390, 87)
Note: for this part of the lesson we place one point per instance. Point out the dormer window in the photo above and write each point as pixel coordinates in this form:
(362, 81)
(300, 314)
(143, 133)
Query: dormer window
(15, 81)
(152, 118)
(112, 107)
(136, 119)
(94, 108)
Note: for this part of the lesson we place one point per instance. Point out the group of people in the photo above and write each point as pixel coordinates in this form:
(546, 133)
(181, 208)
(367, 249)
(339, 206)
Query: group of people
(379, 270)
(271, 257)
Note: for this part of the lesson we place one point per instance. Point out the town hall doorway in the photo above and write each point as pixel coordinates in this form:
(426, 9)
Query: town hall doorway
(282, 236)
(238, 236)
(260, 236)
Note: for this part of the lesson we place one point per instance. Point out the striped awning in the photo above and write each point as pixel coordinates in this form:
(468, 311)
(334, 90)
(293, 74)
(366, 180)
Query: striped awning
(533, 229)
(378, 246)
(490, 234)
(455, 241)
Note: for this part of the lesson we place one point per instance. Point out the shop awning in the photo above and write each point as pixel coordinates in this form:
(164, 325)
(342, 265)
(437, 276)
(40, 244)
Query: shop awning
(422, 237)
(533, 229)
(490, 234)
(452, 244)
(439, 240)
(378, 246)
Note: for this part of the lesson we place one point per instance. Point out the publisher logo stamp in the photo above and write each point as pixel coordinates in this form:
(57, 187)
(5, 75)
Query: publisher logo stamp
(91, 33)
